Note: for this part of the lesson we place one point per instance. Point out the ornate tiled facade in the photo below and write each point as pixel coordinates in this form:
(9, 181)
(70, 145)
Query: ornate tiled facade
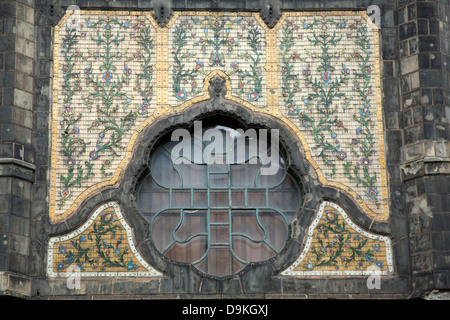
(336, 246)
(357, 89)
(117, 72)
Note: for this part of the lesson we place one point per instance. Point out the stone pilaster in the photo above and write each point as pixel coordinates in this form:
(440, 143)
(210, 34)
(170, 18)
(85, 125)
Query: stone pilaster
(17, 62)
(424, 69)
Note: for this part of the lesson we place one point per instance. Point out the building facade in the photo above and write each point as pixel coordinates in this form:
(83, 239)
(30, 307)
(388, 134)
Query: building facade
(115, 181)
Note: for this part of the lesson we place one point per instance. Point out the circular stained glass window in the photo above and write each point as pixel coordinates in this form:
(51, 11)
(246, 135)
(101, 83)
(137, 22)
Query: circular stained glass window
(219, 198)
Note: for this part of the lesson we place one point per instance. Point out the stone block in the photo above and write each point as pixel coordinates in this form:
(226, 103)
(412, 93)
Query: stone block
(7, 43)
(391, 96)
(395, 141)
(23, 99)
(433, 26)
(24, 29)
(412, 12)
(25, 13)
(24, 81)
(19, 284)
(4, 204)
(388, 69)
(438, 96)
(427, 10)
(18, 263)
(413, 152)
(390, 44)
(413, 46)
(20, 207)
(417, 115)
(6, 78)
(429, 149)
(402, 3)
(19, 225)
(25, 47)
(414, 80)
(407, 30)
(19, 244)
(392, 120)
(25, 64)
(430, 78)
(442, 149)
(8, 9)
(422, 27)
(429, 43)
(414, 134)
(409, 64)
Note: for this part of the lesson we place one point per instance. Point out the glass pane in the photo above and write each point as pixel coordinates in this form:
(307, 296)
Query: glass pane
(244, 175)
(285, 197)
(238, 198)
(152, 198)
(200, 198)
(256, 198)
(218, 198)
(193, 175)
(219, 234)
(181, 198)
(163, 227)
(188, 252)
(162, 170)
(219, 216)
(193, 223)
(229, 213)
(247, 250)
(218, 180)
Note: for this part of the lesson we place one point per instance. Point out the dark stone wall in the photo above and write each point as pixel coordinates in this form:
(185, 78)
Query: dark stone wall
(415, 53)
(425, 96)
(17, 156)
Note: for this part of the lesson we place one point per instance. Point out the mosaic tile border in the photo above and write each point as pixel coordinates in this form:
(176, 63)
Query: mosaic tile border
(291, 270)
(53, 241)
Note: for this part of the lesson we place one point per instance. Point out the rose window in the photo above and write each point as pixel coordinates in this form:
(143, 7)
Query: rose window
(217, 205)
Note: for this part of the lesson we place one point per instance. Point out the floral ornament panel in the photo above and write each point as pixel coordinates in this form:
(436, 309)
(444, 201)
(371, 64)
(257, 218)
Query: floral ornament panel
(328, 89)
(233, 43)
(103, 246)
(336, 246)
(104, 79)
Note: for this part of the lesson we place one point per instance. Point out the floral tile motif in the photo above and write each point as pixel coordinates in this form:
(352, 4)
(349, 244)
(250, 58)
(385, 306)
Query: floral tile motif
(116, 72)
(336, 246)
(103, 246)
(328, 90)
(233, 43)
(105, 71)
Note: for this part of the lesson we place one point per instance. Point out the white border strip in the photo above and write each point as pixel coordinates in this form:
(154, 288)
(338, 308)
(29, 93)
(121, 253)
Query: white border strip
(389, 262)
(151, 272)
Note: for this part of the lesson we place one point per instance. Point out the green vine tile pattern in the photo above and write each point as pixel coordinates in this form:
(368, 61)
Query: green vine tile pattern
(231, 43)
(106, 67)
(328, 90)
(103, 246)
(336, 246)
